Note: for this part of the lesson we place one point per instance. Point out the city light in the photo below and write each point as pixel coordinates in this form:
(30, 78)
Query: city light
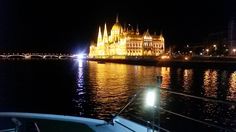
(79, 56)
(186, 58)
(164, 57)
(207, 50)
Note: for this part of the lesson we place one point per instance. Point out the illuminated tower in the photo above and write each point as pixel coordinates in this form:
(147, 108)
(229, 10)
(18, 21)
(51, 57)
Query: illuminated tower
(105, 35)
(162, 38)
(116, 30)
(99, 40)
(117, 18)
(162, 41)
(137, 30)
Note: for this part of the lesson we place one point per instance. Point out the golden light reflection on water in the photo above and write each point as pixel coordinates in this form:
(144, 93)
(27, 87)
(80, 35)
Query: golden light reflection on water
(114, 84)
(210, 83)
(187, 79)
(232, 87)
(109, 86)
(165, 73)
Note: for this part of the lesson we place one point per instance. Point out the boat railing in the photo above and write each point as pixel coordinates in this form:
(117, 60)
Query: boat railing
(209, 99)
(148, 123)
(158, 127)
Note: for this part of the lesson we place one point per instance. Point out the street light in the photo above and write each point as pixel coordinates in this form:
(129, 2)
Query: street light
(191, 52)
(215, 47)
(234, 50)
(207, 50)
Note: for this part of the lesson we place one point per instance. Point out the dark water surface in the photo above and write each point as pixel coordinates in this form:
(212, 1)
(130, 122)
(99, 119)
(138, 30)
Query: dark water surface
(96, 90)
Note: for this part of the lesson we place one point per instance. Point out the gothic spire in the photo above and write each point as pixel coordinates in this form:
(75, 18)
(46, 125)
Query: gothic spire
(137, 30)
(99, 35)
(117, 18)
(105, 35)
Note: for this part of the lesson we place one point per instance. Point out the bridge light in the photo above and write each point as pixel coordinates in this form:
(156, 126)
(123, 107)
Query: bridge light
(80, 56)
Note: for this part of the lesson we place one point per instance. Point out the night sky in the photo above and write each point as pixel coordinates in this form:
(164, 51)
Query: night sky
(69, 26)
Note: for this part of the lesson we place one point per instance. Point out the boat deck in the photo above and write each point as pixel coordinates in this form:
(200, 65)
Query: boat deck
(32, 122)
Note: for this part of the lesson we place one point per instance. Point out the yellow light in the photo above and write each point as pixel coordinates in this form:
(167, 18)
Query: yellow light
(165, 57)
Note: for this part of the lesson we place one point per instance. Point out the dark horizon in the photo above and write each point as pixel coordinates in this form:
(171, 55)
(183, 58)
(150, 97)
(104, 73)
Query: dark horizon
(65, 26)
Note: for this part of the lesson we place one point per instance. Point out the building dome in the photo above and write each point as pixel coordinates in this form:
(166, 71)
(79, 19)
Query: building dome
(117, 27)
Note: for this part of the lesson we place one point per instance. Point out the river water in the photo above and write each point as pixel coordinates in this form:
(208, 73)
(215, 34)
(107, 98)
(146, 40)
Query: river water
(96, 90)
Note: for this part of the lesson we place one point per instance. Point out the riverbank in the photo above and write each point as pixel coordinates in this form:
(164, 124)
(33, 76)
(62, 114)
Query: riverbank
(218, 62)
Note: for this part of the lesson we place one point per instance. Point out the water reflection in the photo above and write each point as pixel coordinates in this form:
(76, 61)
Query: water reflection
(165, 73)
(210, 83)
(187, 79)
(232, 87)
(110, 87)
(80, 99)
(103, 89)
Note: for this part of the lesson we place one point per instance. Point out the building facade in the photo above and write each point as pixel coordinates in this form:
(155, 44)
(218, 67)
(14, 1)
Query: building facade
(125, 41)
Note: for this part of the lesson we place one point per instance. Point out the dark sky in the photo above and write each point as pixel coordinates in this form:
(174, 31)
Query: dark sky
(69, 26)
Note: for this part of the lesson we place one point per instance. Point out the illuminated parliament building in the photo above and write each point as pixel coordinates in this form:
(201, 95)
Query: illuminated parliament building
(122, 42)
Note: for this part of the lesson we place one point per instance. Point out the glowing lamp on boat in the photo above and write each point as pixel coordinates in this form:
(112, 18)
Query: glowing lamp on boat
(150, 98)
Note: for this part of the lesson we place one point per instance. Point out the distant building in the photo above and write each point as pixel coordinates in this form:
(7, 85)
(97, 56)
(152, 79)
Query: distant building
(121, 42)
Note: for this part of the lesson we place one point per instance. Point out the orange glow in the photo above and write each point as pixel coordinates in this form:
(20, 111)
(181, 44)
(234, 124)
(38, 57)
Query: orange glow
(165, 73)
(105, 90)
(165, 57)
